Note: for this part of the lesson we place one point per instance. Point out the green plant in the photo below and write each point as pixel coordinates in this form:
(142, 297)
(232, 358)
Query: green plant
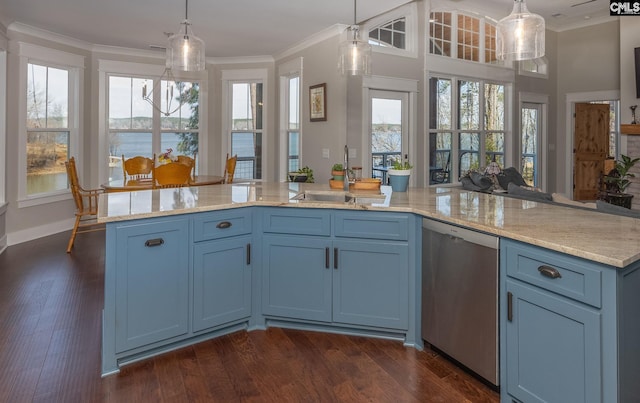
(307, 171)
(397, 164)
(337, 167)
(620, 178)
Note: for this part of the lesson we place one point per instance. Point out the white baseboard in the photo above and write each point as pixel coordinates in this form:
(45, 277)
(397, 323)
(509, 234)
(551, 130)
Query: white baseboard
(29, 234)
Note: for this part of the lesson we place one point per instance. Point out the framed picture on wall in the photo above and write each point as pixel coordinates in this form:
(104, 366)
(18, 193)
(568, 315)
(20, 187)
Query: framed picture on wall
(318, 102)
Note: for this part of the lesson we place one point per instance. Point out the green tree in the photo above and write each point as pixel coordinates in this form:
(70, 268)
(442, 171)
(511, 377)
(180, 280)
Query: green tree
(189, 95)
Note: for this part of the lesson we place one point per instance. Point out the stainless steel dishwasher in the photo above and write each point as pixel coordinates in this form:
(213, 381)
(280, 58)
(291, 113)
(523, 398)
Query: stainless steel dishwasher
(460, 296)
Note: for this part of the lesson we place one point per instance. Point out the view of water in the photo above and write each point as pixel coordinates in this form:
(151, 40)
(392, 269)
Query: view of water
(132, 144)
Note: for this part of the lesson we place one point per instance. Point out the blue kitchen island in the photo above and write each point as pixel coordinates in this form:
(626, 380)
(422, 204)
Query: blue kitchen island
(189, 264)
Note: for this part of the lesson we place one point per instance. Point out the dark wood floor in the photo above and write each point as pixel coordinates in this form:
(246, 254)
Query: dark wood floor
(50, 314)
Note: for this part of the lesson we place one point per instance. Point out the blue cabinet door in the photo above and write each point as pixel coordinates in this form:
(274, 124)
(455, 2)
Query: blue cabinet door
(296, 277)
(221, 282)
(553, 349)
(152, 282)
(371, 284)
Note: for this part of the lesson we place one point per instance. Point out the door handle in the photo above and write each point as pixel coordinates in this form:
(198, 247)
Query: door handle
(248, 254)
(326, 257)
(509, 306)
(335, 258)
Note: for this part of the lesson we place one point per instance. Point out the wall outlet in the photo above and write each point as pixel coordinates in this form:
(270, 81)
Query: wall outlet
(325, 153)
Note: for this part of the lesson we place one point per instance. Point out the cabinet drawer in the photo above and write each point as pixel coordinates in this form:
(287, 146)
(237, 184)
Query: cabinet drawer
(356, 224)
(297, 221)
(221, 224)
(566, 275)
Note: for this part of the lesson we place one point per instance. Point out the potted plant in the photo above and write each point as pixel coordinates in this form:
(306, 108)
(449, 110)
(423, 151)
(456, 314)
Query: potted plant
(304, 174)
(399, 175)
(618, 180)
(337, 171)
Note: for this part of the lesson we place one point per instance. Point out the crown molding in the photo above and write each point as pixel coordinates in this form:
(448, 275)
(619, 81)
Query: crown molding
(241, 59)
(117, 50)
(48, 35)
(336, 29)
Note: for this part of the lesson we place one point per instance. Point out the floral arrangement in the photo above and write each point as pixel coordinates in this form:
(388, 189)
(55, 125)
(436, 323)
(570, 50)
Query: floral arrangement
(167, 156)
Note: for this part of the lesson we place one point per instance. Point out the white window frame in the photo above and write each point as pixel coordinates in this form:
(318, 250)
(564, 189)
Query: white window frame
(229, 77)
(454, 38)
(369, 85)
(455, 130)
(3, 120)
(108, 68)
(410, 13)
(286, 71)
(74, 64)
(543, 101)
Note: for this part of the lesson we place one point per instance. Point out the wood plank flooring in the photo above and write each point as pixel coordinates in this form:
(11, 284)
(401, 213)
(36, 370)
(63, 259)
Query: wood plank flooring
(50, 335)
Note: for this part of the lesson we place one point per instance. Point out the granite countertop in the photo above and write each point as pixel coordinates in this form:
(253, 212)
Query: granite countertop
(604, 238)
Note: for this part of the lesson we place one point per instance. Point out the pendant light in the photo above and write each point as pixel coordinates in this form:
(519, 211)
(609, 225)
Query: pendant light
(185, 51)
(355, 54)
(169, 103)
(520, 35)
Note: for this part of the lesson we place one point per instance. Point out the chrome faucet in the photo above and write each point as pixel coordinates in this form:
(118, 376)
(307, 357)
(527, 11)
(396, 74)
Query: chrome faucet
(346, 168)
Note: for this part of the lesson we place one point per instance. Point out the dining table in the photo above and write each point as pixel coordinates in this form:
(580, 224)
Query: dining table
(130, 185)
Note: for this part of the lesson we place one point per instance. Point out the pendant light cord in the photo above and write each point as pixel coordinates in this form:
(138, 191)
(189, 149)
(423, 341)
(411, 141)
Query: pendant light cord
(186, 18)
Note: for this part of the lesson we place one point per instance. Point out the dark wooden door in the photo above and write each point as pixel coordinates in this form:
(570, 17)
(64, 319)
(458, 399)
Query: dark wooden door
(590, 149)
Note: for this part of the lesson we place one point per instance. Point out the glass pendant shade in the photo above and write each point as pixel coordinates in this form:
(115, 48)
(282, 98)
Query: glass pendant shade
(355, 55)
(520, 35)
(185, 51)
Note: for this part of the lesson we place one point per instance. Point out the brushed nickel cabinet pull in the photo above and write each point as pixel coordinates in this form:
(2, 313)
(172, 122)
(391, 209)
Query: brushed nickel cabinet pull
(223, 224)
(549, 272)
(510, 307)
(150, 243)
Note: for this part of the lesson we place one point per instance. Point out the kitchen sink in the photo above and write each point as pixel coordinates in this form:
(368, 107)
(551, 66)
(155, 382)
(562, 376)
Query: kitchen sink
(338, 197)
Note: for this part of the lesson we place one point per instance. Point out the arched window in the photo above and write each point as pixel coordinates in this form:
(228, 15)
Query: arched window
(392, 33)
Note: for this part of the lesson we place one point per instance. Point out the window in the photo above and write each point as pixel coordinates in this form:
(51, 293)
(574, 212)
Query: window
(469, 136)
(50, 86)
(462, 36)
(246, 128)
(389, 130)
(135, 127)
(395, 32)
(293, 123)
(392, 34)
(531, 124)
(47, 128)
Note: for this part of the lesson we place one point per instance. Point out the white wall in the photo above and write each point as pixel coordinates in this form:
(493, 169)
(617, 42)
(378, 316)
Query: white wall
(588, 60)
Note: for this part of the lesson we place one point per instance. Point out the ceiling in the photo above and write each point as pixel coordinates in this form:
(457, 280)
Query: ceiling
(241, 28)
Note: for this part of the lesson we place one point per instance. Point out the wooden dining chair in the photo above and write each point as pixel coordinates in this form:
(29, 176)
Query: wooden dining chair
(171, 175)
(138, 167)
(86, 201)
(230, 168)
(189, 161)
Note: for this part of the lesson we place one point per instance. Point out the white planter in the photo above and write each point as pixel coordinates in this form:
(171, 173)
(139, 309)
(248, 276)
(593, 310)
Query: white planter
(399, 179)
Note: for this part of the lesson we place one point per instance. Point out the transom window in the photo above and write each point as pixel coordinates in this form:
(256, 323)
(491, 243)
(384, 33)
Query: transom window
(392, 33)
(462, 36)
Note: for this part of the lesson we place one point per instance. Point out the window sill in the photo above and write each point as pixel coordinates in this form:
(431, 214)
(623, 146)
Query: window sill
(47, 198)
